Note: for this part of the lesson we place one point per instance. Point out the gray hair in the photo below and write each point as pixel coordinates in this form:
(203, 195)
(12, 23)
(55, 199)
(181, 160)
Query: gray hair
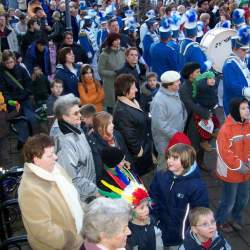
(63, 104)
(105, 215)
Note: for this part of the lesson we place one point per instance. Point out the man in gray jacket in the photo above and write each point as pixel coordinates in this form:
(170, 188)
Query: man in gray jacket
(168, 113)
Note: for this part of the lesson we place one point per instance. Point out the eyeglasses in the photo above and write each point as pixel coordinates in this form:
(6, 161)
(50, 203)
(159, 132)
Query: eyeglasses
(207, 225)
(76, 113)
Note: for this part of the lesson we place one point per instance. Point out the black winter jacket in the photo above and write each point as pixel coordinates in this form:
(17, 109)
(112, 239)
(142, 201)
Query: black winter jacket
(10, 90)
(138, 72)
(134, 126)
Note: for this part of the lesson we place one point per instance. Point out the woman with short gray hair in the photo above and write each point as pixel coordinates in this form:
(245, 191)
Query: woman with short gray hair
(72, 148)
(106, 224)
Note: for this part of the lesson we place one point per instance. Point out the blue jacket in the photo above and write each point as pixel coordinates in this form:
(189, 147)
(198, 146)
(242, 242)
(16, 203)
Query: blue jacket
(233, 82)
(173, 44)
(120, 22)
(163, 58)
(70, 80)
(172, 197)
(86, 44)
(191, 242)
(192, 53)
(102, 35)
(31, 57)
(148, 40)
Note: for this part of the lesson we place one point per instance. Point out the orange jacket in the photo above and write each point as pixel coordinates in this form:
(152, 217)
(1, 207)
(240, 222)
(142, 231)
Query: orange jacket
(233, 149)
(92, 97)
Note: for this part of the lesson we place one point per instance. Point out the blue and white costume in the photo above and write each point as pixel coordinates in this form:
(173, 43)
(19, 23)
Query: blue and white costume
(175, 23)
(190, 50)
(163, 57)
(144, 28)
(149, 39)
(236, 74)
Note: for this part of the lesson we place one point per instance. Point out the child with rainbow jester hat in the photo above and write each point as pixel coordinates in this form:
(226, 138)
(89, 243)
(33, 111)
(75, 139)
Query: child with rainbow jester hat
(144, 232)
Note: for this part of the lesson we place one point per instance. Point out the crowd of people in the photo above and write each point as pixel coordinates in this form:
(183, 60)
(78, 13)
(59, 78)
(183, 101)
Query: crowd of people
(125, 97)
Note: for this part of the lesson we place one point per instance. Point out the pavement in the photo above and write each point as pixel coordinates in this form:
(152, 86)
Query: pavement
(239, 240)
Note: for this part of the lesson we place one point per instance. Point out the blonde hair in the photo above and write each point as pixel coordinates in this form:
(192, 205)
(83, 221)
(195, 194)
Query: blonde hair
(204, 17)
(195, 214)
(101, 121)
(185, 152)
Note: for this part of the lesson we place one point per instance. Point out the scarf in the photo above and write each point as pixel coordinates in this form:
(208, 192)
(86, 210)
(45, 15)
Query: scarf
(66, 188)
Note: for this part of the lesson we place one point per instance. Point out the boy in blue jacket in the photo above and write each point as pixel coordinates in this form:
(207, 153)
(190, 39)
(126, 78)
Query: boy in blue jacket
(175, 191)
(203, 234)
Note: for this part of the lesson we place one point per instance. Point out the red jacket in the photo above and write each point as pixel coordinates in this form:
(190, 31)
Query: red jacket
(233, 148)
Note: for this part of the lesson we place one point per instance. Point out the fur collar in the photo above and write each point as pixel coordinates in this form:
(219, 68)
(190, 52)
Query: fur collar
(133, 104)
(67, 128)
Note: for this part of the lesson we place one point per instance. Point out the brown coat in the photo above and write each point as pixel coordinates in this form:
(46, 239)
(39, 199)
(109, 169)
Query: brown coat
(46, 216)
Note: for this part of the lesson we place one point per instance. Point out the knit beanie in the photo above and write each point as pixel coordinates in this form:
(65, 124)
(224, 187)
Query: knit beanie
(178, 137)
(111, 156)
(234, 108)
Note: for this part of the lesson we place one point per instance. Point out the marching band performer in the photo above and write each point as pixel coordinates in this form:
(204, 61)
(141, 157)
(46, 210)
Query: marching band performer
(236, 74)
(190, 50)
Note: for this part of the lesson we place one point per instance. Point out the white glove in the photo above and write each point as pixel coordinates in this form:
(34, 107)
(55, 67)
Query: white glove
(215, 9)
(246, 92)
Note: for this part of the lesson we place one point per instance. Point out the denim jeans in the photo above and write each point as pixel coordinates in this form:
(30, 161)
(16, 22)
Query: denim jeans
(22, 130)
(234, 199)
(29, 113)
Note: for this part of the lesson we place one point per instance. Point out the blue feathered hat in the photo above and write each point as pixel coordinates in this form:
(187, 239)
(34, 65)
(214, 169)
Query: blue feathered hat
(132, 26)
(150, 14)
(190, 22)
(111, 9)
(175, 22)
(129, 13)
(92, 12)
(242, 40)
(129, 16)
(102, 16)
(151, 21)
(82, 5)
(103, 19)
(88, 20)
(165, 29)
(238, 17)
(226, 24)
